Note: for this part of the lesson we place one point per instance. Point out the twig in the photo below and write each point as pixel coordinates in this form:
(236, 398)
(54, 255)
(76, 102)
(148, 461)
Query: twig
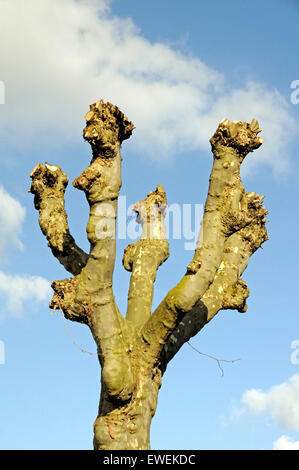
(215, 358)
(69, 334)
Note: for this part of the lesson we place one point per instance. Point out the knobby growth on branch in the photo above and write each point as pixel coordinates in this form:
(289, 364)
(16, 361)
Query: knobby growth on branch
(134, 349)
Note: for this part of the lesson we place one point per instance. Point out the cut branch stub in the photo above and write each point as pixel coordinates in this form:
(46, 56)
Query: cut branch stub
(150, 214)
(66, 298)
(106, 128)
(238, 135)
(47, 181)
(235, 296)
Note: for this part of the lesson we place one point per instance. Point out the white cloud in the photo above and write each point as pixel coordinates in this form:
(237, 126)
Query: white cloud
(58, 57)
(271, 110)
(18, 289)
(12, 215)
(280, 401)
(285, 443)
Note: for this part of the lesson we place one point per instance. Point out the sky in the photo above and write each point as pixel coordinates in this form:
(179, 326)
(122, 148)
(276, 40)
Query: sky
(176, 69)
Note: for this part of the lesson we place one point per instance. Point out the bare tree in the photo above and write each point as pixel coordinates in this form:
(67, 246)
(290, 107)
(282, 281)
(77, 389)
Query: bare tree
(134, 350)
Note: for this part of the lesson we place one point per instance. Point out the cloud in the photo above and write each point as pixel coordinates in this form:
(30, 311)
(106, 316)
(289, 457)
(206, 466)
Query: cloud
(12, 215)
(284, 443)
(281, 402)
(68, 54)
(17, 289)
(271, 110)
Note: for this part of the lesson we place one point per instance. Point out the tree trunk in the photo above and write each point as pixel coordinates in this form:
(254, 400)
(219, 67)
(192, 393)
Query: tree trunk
(126, 426)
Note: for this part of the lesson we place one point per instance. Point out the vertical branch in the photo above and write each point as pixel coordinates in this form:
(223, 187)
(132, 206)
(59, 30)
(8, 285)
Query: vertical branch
(89, 297)
(144, 257)
(106, 128)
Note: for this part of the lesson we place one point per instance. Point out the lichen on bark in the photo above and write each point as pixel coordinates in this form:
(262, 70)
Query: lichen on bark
(134, 349)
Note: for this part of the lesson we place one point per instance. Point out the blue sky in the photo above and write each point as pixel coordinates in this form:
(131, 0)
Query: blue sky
(176, 69)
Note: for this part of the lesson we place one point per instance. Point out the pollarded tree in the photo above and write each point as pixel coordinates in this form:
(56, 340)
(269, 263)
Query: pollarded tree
(134, 350)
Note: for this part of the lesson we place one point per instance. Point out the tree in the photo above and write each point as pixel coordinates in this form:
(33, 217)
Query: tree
(134, 351)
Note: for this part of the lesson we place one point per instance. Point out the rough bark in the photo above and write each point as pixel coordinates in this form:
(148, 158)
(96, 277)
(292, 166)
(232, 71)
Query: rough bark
(48, 186)
(144, 257)
(134, 350)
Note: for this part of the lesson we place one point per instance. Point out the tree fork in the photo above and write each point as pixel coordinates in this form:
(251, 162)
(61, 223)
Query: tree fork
(134, 350)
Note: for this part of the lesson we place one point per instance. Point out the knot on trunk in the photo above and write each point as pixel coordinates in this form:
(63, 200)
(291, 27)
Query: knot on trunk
(234, 297)
(66, 299)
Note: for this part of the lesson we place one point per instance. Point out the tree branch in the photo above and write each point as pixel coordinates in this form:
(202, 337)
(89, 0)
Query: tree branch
(48, 186)
(214, 358)
(88, 297)
(224, 214)
(228, 290)
(144, 257)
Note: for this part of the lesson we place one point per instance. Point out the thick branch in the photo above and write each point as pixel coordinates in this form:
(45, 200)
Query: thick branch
(144, 257)
(89, 297)
(48, 186)
(228, 290)
(224, 214)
